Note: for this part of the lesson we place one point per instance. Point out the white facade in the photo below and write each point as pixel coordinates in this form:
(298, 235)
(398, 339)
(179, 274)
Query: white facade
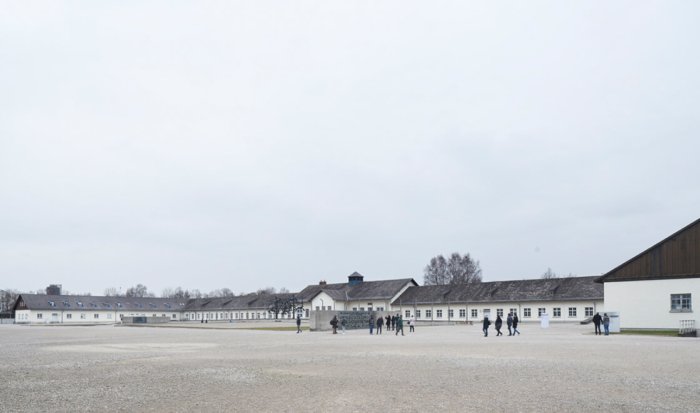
(559, 311)
(647, 304)
(84, 316)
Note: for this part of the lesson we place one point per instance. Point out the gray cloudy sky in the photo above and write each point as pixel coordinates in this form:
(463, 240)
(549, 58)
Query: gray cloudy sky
(250, 144)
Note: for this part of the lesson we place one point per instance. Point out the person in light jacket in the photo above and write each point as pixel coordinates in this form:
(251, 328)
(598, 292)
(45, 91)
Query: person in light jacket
(498, 325)
(487, 323)
(606, 323)
(342, 324)
(380, 323)
(298, 324)
(371, 324)
(411, 324)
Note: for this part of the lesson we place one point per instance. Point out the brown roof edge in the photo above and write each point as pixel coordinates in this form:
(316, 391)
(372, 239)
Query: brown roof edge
(602, 277)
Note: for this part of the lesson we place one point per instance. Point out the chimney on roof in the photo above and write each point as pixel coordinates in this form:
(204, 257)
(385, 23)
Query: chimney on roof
(54, 289)
(355, 278)
(322, 282)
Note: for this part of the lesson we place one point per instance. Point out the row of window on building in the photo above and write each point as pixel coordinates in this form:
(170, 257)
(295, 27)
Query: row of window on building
(96, 316)
(242, 316)
(527, 312)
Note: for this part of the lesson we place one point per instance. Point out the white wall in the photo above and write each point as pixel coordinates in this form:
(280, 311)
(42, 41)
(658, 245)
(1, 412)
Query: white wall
(323, 300)
(86, 315)
(647, 304)
(549, 307)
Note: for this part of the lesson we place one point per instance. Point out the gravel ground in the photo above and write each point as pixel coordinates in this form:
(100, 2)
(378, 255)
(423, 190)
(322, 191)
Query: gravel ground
(449, 368)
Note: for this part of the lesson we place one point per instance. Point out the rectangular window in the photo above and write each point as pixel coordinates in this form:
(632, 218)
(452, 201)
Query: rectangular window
(354, 309)
(499, 311)
(514, 311)
(82, 316)
(462, 313)
(417, 313)
(556, 312)
(318, 308)
(572, 311)
(589, 311)
(681, 302)
(452, 313)
(109, 316)
(541, 311)
(527, 312)
(475, 313)
(428, 313)
(96, 316)
(69, 316)
(361, 308)
(39, 316)
(408, 313)
(154, 315)
(439, 313)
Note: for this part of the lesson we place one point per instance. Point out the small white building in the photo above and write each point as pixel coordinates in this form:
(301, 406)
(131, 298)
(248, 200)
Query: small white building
(655, 289)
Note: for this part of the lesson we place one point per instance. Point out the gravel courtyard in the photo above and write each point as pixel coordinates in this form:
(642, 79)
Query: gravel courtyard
(448, 368)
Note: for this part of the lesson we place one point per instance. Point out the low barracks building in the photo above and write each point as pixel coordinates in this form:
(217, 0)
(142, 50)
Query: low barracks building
(565, 299)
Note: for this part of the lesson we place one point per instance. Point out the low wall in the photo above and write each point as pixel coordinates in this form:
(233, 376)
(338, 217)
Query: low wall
(321, 320)
(7, 320)
(145, 320)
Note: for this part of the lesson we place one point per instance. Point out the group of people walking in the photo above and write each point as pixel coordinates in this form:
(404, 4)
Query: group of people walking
(512, 322)
(604, 320)
(392, 323)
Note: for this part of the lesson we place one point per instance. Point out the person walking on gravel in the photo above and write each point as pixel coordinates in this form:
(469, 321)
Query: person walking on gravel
(515, 324)
(509, 320)
(388, 322)
(399, 325)
(371, 324)
(498, 324)
(393, 323)
(411, 324)
(342, 324)
(380, 322)
(597, 319)
(487, 323)
(606, 323)
(334, 323)
(298, 324)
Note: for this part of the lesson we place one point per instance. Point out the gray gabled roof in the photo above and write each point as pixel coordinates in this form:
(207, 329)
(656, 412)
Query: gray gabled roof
(245, 302)
(556, 289)
(367, 290)
(71, 302)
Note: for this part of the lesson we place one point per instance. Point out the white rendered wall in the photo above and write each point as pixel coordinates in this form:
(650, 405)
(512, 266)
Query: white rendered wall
(493, 307)
(323, 300)
(647, 304)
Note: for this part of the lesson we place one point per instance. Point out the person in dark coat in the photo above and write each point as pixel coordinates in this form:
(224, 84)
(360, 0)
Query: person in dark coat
(334, 323)
(399, 325)
(487, 323)
(515, 324)
(597, 319)
(298, 324)
(510, 324)
(371, 324)
(393, 323)
(388, 322)
(498, 325)
(380, 323)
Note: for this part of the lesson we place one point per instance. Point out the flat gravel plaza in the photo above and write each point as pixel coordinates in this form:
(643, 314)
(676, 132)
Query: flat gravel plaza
(438, 368)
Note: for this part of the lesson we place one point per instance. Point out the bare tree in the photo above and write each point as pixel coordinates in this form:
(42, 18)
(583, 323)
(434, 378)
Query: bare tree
(462, 269)
(111, 292)
(139, 290)
(268, 290)
(7, 300)
(283, 290)
(549, 274)
(194, 293)
(435, 273)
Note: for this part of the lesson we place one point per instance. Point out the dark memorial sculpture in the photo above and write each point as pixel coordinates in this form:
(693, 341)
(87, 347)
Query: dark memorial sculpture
(355, 319)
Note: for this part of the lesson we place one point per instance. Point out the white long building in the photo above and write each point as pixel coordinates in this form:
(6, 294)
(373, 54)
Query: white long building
(567, 299)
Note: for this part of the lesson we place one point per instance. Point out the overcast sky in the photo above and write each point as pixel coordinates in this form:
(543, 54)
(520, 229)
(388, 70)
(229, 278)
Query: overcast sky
(249, 144)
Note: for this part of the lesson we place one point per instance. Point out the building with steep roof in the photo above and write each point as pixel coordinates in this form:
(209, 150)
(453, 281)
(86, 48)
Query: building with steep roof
(655, 288)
